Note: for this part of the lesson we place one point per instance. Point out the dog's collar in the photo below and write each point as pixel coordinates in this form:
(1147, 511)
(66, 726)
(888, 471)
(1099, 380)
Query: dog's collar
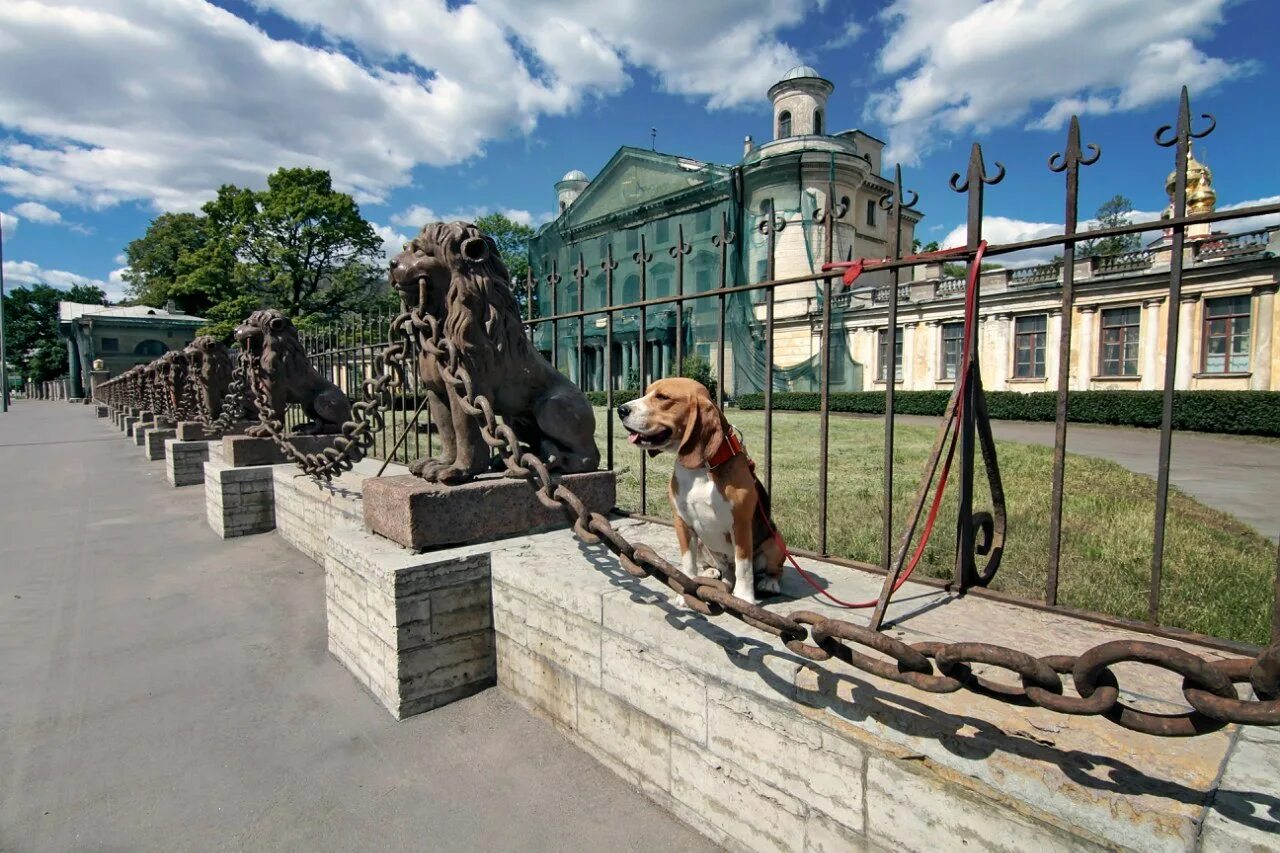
(729, 448)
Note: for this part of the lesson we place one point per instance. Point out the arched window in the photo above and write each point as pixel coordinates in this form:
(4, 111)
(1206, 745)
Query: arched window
(563, 206)
(817, 122)
(151, 348)
(784, 124)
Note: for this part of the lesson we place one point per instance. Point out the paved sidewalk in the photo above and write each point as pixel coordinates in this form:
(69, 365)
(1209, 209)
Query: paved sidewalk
(162, 689)
(1235, 474)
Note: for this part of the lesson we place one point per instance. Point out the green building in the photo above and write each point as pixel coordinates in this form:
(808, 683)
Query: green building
(679, 209)
(120, 336)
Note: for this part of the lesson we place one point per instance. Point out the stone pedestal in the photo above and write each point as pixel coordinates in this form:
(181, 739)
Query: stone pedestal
(415, 630)
(129, 421)
(184, 461)
(195, 431)
(416, 514)
(238, 501)
(241, 450)
(307, 509)
(140, 430)
(102, 411)
(155, 442)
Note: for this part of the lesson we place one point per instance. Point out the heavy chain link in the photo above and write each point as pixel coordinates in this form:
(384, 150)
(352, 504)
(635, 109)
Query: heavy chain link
(358, 434)
(930, 666)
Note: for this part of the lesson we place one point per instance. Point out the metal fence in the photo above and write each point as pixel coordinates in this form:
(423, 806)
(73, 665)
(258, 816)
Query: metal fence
(347, 352)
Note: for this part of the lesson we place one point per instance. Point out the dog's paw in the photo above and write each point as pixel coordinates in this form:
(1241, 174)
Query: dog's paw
(768, 585)
(710, 572)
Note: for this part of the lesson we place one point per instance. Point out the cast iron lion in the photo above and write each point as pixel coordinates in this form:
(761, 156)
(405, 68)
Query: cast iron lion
(211, 365)
(454, 273)
(288, 377)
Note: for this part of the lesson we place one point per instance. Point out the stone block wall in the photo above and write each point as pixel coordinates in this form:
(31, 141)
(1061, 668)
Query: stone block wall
(238, 501)
(184, 461)
(307, 509)
(415, 629)
(155, 441)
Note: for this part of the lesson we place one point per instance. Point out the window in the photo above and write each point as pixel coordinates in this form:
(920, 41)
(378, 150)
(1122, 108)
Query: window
(633, 241)
(817, 122)
(151, 348)
(110, 345)
(952, 349)
(882, 361)
(1226, 335)
(1028, 347)
(562, 206)
(762, 270)
(784, 124)
(662, 232)
(703, 222)
(701, 281)
(871, 212)
(1119, 356)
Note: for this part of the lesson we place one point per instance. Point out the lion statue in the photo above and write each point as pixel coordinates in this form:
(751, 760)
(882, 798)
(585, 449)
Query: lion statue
(270, 338)
(171, 370)
(454, 273)
(210, 364)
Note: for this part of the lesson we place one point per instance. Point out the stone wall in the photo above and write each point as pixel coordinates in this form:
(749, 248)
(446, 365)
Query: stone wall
(238, 501)
(184, 461)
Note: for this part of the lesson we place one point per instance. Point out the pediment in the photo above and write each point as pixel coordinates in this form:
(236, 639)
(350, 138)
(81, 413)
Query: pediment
(634, 178)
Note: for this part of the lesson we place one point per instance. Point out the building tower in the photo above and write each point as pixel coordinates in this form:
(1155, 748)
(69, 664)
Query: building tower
(1201, 196)
(800, 103)
(569, 188)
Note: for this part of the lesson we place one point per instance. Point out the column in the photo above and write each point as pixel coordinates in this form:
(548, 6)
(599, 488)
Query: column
(664, 359)
(1084, 353)
(625, 349)
(1052, 348)
(1152, 335)
(597, 368)
(928, 337)
(1186, 336)
(1263, 326)
(998, 327)
(908, 332)
(73, 364)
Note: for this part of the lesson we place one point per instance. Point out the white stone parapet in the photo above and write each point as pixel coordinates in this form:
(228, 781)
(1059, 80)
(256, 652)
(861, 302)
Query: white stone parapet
(184, 461)
(239, 501)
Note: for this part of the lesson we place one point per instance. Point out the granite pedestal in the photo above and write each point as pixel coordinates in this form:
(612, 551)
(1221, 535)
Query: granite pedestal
(155, 441)
(140, 431)
(103, 411)
(238, 501)
(242, 450)
(416, 514)
(129, 421)
(184, 461)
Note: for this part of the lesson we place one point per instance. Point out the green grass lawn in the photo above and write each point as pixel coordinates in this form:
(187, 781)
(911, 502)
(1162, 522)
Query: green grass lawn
(1218, 573)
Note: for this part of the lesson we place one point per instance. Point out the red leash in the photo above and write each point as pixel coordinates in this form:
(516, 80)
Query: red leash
(851, 272)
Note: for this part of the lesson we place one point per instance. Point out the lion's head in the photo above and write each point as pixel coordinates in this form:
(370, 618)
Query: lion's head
(425, 270)
(267, 329)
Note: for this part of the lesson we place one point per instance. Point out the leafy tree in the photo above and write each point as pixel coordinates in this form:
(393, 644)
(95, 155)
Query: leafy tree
(1113, 213)
(697, 368)
(513, 243)
(298, 246)
(308, 248)
(33, 344)
(917, 247)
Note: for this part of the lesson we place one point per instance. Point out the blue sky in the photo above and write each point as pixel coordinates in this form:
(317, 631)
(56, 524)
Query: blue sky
(112, 111)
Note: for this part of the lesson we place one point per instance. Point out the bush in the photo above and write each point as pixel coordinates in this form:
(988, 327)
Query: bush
(624, 395)
(1239, 412)
(697, 368)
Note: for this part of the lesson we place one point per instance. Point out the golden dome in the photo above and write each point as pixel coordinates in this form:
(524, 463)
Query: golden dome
(1201, 197)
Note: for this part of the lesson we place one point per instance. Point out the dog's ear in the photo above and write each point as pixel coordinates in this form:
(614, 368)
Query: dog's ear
(703, 434)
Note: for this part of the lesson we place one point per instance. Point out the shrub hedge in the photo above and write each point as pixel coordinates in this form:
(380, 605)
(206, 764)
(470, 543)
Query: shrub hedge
(620, 396)
(1240, 412)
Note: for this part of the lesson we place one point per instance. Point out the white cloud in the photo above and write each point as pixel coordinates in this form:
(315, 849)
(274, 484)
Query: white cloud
(392, 241)
(1003, 229)
(197, 96)
(20, 273)
(8, 224)
(418, 215)
(851, 32)
(1252, 223)
(120, 259)
(37, 212)
(967, 66)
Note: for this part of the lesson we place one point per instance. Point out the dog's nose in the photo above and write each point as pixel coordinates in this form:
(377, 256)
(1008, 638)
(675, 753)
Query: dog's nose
(624, 410)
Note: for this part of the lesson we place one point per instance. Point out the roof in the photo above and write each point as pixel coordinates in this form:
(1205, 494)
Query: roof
(574, 175)
(68, 311)
(801, 71)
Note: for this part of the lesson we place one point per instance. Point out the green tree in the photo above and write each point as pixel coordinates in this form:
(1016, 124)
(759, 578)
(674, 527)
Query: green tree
(698, 369)
(34, 347)
(308, 248)
(1113, 213)
(298, 246)
(513, 244)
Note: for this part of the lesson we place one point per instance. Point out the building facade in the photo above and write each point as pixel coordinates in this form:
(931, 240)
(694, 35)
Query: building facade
(119, 336)
(655, 225)
(663, 220)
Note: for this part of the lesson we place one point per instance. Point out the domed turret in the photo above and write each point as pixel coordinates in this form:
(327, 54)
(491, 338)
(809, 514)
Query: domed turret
(1201, 196)
(570, 187)
(800, 103)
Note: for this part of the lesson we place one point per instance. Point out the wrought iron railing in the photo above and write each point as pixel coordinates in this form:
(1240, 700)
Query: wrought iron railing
(347, 354)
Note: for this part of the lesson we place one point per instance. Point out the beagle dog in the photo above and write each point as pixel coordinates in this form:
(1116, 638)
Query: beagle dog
(717, 501)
